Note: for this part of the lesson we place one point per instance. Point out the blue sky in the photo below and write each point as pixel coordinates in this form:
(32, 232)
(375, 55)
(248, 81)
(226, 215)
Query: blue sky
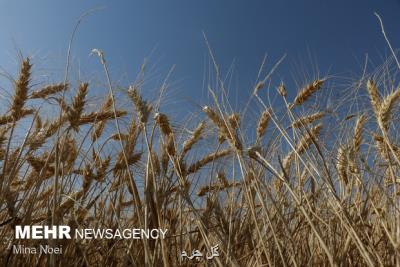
(333, 35)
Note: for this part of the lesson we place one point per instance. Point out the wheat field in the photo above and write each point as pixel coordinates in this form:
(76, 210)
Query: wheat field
(303, 184)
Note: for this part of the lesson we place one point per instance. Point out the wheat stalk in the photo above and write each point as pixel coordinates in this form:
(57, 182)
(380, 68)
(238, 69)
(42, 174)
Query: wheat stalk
(78, 103)
(307, 91)
(21, 89)
(304, 121)
(49, 90)
(386, 108)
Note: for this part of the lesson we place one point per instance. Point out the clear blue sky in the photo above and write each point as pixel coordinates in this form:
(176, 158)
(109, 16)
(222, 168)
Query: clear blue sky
(336, 35)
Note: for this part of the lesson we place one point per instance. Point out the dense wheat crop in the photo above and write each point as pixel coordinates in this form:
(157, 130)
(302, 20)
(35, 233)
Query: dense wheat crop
(303, 183)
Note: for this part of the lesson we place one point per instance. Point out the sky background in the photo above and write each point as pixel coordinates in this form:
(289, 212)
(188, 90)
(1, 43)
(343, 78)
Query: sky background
(331, 36)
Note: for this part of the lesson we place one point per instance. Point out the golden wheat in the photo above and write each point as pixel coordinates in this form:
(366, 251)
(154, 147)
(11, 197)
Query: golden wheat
(214, 184)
